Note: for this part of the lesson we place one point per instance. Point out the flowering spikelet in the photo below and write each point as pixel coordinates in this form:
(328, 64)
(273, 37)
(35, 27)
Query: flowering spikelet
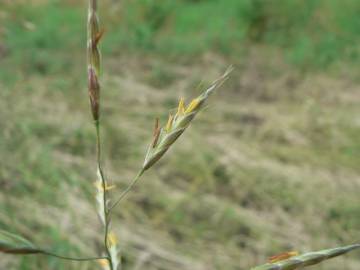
(100, 197)
(100, 189)
(163, 138)
(193, 105)
(304, 260)
(112, 243)
(112, 239)
(94, 59)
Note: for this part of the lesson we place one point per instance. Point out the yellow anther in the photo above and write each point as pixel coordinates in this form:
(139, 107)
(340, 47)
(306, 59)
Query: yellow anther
(193, 105)
(112, 239)
(169, 123)
(181, 107)
(103, 262)
(283, 256)
(99, 186)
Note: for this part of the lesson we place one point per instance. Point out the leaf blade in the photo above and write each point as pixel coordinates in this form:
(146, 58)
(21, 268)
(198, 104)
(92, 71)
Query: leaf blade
(14, 244)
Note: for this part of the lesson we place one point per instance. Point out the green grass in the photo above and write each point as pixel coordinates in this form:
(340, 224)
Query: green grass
(309, 34)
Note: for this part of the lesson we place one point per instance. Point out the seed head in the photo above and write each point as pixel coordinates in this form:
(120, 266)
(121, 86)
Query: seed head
(164, 137)
(94, 60)
(292, 261)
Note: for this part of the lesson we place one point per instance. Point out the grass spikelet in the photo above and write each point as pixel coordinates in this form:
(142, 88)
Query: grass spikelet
(164, 137)
(304, 260)
(114, 253)
(99, 185)
(94, 59)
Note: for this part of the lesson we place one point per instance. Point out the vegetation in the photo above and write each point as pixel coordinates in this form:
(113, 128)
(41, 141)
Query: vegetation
(273, 166)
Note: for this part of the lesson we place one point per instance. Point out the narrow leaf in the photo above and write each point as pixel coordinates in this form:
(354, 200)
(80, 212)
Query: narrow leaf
(307, 259)
(15, 244)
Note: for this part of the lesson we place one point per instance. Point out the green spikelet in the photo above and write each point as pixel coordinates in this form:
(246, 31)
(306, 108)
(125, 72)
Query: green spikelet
(166, 136)
(307, 259)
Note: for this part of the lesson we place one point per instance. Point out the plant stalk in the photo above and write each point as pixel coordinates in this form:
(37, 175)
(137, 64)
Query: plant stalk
(104, 185)
(48, 253)
(126, 191)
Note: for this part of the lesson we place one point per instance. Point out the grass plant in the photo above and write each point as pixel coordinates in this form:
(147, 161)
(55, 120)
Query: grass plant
(163, 138)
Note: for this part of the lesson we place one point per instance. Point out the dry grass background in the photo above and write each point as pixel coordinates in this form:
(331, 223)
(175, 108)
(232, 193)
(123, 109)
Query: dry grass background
(271, 165)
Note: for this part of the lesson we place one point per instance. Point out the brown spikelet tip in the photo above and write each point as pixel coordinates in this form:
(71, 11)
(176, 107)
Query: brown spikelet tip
(156, 127)
(99, 35)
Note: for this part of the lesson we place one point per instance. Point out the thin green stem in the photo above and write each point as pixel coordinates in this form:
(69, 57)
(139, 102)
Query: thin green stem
(48, 253)
(93, 4)
(104, 185)
(126, 191)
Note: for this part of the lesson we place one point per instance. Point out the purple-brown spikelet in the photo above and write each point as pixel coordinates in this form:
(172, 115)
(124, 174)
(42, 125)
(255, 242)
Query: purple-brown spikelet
(94, 93)
(94, 60)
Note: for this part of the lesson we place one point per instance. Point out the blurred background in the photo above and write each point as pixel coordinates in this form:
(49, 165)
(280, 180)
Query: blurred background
(271, 165)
